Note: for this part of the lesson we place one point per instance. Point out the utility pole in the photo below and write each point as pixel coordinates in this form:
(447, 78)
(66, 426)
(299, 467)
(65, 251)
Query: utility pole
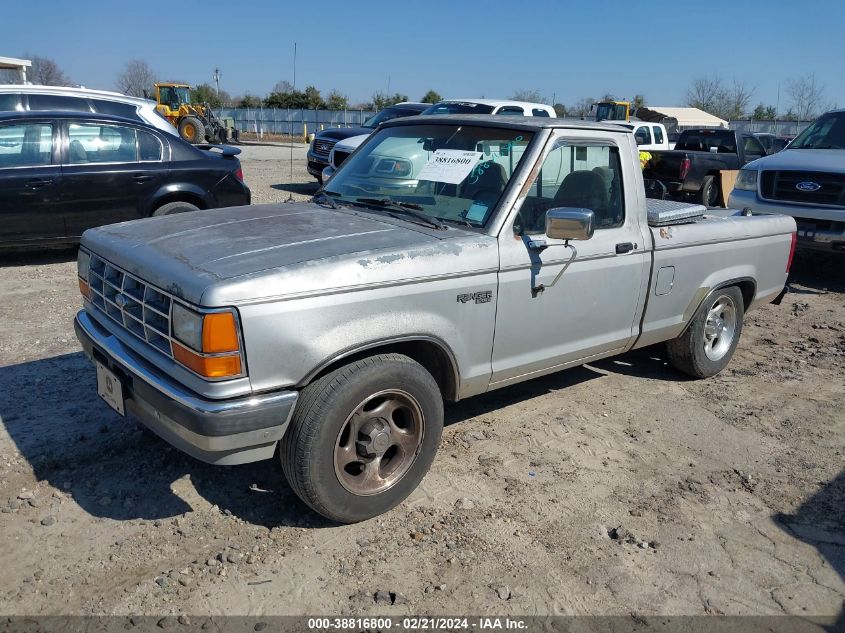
(216, 76)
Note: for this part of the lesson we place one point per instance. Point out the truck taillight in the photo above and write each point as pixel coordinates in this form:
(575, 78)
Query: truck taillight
(239, 174)
(791, 251)
(685, 164)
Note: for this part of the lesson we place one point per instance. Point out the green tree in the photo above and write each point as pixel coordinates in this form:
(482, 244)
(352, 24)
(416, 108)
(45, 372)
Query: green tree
(431, 97)
(313, 99)
(248, 101)
(205, 93)
(337, 101)
(382, 100)
(637, 103)
(764, 113)
(561, 110)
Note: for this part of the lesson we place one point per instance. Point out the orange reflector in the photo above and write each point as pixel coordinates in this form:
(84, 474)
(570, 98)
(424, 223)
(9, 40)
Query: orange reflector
(208, 366)
(219, 333)
(84, 288)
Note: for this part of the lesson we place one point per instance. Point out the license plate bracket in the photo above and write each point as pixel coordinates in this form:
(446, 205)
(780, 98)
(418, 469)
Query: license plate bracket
(110, 389)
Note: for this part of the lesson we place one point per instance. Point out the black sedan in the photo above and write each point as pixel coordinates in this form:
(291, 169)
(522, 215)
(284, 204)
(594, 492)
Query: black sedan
(64, 172)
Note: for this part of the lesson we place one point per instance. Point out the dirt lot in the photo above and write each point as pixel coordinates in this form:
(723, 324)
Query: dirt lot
(612, 489)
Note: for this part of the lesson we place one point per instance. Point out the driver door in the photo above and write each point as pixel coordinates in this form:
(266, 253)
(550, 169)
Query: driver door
(593, 308)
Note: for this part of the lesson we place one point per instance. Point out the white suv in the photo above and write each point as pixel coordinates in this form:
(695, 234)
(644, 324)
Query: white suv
(24, 98)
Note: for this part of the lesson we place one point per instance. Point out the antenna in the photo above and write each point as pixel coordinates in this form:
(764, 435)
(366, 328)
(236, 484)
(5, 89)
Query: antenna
(216, 76)
(290, 140)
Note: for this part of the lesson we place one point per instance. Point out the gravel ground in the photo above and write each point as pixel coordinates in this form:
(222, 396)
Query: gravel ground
(616, 488)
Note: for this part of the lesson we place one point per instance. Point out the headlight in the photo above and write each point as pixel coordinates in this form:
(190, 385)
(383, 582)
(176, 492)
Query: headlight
(746, 180)
(187, 326)
(207, 344)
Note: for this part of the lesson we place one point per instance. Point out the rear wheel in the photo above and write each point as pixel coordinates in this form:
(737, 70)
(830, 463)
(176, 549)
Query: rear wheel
(192, 130)
(363, 436)
(175, 207)
(708, 195)
(708, 344)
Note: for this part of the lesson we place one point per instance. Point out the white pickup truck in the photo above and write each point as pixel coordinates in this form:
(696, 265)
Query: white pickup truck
(448, 257)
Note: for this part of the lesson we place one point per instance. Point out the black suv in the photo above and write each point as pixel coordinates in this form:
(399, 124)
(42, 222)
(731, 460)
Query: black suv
(321, 146)
(64, 172)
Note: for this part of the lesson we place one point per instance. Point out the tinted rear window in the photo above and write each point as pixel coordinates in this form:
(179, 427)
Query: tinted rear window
(58, 102)
(10, 102)
(117, 109)
(705, 140)
(459, 108)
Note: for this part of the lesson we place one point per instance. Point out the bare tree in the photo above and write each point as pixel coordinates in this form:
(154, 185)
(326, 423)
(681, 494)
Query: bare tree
(726, 102)
(807, 97)
(532, 96)
(137, 78)
(583, 107)
(283, 87)
(46, 72)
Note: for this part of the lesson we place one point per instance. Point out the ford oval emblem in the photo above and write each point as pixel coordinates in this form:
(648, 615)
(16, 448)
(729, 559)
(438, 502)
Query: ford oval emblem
(808, 186)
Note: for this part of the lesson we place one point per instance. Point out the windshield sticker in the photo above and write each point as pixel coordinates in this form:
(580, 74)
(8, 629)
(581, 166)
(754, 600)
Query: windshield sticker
(449, 165)
(477, 212)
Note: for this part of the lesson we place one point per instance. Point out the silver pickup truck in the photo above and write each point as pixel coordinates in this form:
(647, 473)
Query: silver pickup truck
(447, 257)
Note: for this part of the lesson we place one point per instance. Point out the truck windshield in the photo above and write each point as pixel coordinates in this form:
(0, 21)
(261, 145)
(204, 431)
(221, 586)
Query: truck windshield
(721, 141)
(459, 107)
(386, 115)
(826, 132)
(452, 173)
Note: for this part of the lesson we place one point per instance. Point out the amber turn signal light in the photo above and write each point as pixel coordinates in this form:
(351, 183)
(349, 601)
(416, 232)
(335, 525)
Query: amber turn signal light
(208, 366)
(84, 288)
(219, 333)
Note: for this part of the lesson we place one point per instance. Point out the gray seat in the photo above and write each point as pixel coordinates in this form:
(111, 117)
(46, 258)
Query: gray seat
(77, 152)
(486, 185)
(583, 189)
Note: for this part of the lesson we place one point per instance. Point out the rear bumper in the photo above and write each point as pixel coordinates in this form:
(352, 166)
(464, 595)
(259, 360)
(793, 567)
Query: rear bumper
(232, 431)
(813, 233)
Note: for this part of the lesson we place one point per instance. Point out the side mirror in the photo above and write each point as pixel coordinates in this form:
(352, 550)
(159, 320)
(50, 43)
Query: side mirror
(567, 223)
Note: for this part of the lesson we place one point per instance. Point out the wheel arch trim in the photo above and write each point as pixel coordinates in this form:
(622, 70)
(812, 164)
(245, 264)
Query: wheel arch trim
(746, 285)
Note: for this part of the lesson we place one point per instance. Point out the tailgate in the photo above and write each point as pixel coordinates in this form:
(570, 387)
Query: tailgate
(665, 165)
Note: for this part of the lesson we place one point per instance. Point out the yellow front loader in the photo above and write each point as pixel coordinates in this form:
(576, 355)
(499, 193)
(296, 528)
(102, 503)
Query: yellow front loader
(196, 122)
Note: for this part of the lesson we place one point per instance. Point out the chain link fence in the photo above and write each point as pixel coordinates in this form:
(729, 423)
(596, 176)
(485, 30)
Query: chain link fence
(292, 122)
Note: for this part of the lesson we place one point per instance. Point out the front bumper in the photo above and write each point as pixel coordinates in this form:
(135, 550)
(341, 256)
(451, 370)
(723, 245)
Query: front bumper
(814, 233)
(316, 164)
(231, 431)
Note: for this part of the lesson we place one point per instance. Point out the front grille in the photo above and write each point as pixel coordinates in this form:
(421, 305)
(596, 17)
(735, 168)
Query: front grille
(323, 148)
(783, 185)
(133, 304)
(339, 157)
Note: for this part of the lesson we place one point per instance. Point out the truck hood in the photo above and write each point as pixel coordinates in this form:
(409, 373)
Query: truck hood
(340, 133)
(225, 256)
(826, 160)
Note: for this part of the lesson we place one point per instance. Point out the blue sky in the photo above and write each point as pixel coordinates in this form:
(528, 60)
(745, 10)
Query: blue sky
(459, 48)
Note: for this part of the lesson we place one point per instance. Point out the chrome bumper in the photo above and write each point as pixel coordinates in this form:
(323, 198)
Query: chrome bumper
(232, 431)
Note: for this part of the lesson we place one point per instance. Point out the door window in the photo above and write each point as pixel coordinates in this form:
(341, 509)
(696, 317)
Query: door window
(512, 110)
(58, 102)
(658, 134)
(116, 108)
(26, 145)
(643, 136)
(539, 112)
(575, 176)
(90, 143)
(149, 147)
(753, 148)
(10, 102)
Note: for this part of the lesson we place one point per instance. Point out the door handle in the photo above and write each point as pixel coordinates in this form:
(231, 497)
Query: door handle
(625, 247)
(140, 178)
(37, 183)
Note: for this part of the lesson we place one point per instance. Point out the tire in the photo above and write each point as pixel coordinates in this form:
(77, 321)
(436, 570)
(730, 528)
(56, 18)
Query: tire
(708, 195)
(192, 130)
(708, 343)
(331, 467)
(319, 180)
(175, 207)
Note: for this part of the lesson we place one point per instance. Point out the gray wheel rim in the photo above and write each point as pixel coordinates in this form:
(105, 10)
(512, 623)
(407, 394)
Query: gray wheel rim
(719, 328)
(379, 442)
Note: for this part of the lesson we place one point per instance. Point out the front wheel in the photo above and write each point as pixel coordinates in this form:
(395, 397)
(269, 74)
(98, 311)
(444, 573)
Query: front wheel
(708, 343)
(363, 437)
